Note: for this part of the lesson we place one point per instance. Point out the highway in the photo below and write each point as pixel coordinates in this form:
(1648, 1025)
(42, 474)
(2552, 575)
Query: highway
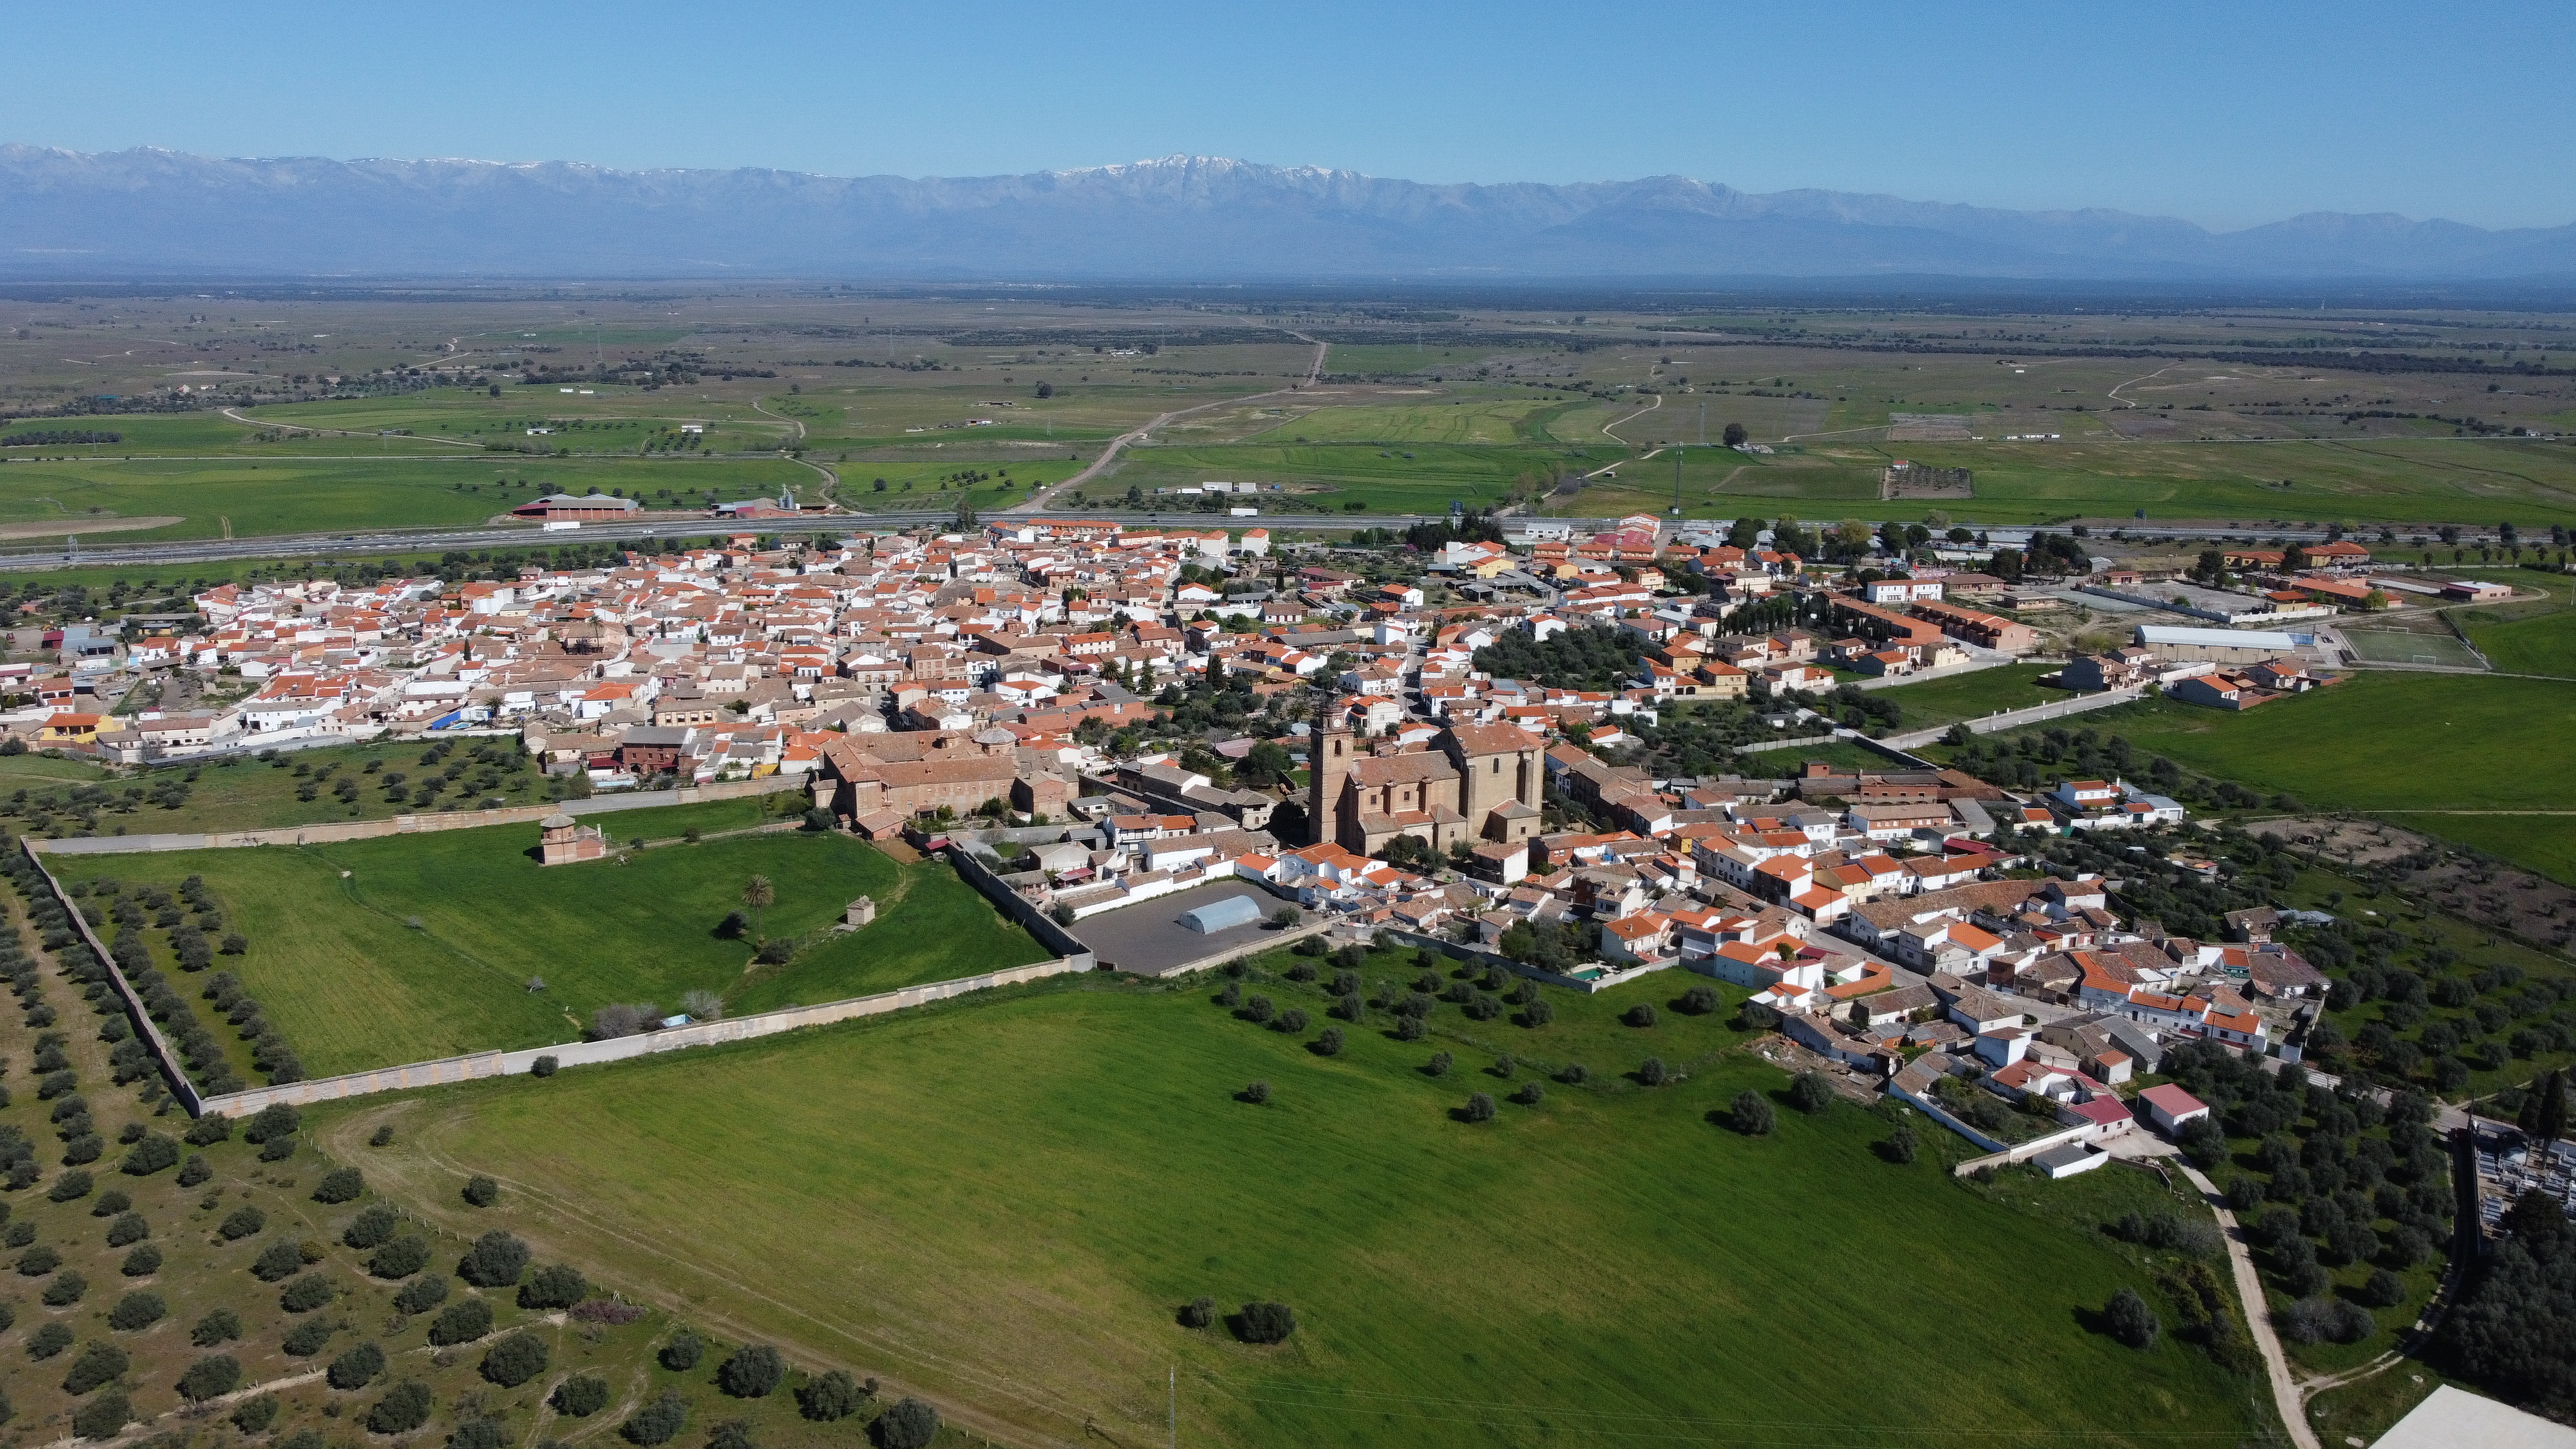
(441, 540)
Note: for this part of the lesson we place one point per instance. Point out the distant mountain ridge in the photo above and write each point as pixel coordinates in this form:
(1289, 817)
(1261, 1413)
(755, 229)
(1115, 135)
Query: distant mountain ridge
(1177, 218)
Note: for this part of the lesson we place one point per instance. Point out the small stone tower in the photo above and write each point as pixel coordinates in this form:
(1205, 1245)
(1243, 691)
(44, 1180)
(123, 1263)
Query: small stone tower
(564, 841)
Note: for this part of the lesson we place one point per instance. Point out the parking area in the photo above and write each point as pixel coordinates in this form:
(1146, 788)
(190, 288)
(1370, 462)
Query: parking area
(1149, 939)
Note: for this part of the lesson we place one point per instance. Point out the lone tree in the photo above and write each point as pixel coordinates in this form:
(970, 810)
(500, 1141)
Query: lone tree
(1750, 1113)
(760, 895)
(2130, 1319)
(1810, 1093)
(1265, 1323)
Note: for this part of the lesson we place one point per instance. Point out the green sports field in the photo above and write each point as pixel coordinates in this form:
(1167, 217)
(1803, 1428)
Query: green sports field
(406, 948)
(1007, 1199)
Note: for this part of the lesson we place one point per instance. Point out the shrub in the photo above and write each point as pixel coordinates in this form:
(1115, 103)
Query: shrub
(1810, 1093)
(48, 1340)
(1574, 1075)
(1257, 1093)
(1480, 1108)
(909, 1424)
(475, 1433)
(382, 1137)
(1750, 1113)
(1199, 1312)
(143, 1262)
(404, 1407)
(341, 1184)
(281, 1259)
(482, 1191)
(2349, 1322)
(137, 1311)
(545, 1066)
(1652, 1073)
(462, 1321)
(657, 1421)
(1265, 1323)
(2130, 1320)
(553, 1286)
(1537, 1012)
(220, 1326)
(211, 1377)
(495, 1261)
(254, 1415)
(372, 1228)
(1439, 1064)
(153, 1153)
(1902, 1145)
(580, 1396)
(309, 1337)
(1699, 1000)
(194, 1170)
(832, 1397)
(103, 1416)
(357, 1368)
(128, 1228)
(421, 1295)
(67, 1289)
(1409, 1028)
(273, 1121)
(69, 1187)
(39, 1260)
(1530, 1094)
(1329, 1044)
(208, 1130)
(241, 1223)
(515, 1360)
(98, 1364)
(682, 1353)
(1641, 1014)
(1294, 1020)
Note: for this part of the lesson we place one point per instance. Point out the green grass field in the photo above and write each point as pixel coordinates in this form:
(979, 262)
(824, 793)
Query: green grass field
(2531, 638)
(1385, 479)
(2396, 744)
(353, 982)
(1967, 696)
(1008, 1198)
(210, 497)
(2397, 481)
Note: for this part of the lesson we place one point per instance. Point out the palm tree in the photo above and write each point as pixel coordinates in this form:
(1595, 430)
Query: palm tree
(758, 894)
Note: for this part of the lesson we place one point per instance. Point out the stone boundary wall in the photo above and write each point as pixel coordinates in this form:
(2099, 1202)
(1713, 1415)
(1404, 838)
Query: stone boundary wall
(144, 1025)
(1017, 906)
(2012, 719)
(475, 1066)
(337, 831)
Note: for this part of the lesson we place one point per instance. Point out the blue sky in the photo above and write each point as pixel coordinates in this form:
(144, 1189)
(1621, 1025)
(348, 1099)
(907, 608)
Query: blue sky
(2226, 114)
